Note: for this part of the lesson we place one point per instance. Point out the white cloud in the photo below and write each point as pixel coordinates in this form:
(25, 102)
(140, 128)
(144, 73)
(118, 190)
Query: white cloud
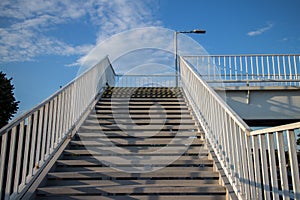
(27, 23)
(260, 30)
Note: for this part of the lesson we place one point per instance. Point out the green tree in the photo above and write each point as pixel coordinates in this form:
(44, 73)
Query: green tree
(8, 103)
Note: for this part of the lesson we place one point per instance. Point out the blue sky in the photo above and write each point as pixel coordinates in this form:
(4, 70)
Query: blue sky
(42, 43)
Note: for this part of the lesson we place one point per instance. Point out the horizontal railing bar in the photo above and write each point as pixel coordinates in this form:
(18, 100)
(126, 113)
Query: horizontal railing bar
(239, 55)
(146, 75)
(256, 75)
(276, 129)
(251, 81)
(18, 119)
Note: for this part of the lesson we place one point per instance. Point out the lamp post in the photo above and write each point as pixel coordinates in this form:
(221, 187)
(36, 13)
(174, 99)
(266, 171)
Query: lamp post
(196, 31)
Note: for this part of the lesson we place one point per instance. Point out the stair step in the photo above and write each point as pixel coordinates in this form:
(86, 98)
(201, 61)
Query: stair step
(104, 183)
(100, 169)
(133, 133)
(140, 116)
(132, 189)
(139, 141)
(140, 197)
(138, 122)
(135, 150)
(142, 103)
(156, 100)
(111, 173)
(130, 121)
(107, 160)
(126, 111)
(125, 127)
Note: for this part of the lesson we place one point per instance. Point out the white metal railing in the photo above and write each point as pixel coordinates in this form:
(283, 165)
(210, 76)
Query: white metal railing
(28, 142)
(242, 153)
(264, 69)
(151, 80)
(275, 155)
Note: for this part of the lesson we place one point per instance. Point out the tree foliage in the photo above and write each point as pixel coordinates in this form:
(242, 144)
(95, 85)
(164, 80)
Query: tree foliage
(8, 103)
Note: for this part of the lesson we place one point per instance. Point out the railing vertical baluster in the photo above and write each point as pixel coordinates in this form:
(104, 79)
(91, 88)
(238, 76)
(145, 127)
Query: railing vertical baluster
(290, 67)
(232, 151)
(291, 141)
(268, 67)
(262, 66)
(273, 65)
(235, 67)
(282, 166)
(33, 143)
(284, 66)
(19, 158)
(250, 166)
(245, 179)
(49, 129)
(278, 67)
(68, 103)
(247, 70)
(26, 152)
(258, 183)
(230, 68)
(257, 68)
(264, 166)
(295, 69)
(39, 139)
(61, 117)
(227, 145)
(240, 166)
(252, 67)
(44, 134)
(225, 70)
(3, 163)
(273, 170)
(220, 129)
(11, 161)
(241, 68)
(223, 139)
(236, 155)
(58, 119)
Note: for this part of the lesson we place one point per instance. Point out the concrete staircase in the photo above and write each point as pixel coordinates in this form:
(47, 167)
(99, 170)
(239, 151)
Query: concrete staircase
(138, 143)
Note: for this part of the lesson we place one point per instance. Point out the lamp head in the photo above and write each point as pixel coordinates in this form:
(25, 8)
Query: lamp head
(199, 31)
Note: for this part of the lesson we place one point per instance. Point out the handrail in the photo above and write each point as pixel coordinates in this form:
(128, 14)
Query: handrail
(29, 141)
(292, 126)
(252, 161)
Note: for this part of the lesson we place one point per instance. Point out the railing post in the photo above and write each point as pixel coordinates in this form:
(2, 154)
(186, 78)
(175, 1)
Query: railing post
(291, 140)
(10, 166)
(282, 166)
(273, 170)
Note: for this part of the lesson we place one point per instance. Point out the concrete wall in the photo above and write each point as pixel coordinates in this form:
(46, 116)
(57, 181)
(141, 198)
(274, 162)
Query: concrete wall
(264, 103)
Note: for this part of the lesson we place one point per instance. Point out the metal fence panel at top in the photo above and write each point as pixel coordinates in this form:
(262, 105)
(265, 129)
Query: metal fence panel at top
(255, 70)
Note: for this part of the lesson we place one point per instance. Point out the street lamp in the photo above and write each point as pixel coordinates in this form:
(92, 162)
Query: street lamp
(196, 31)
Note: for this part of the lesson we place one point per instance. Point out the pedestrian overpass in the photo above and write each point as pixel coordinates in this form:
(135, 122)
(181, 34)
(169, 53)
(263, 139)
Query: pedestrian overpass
(111, 136)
